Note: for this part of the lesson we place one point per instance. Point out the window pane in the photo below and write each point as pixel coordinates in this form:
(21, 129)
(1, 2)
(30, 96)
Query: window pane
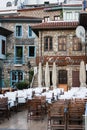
(18, 30)
(64, 47)
(19, 55)
(20, 76)
(62, 77)
(77, 46)
(31, 51)
(62, 41)
(16, 76)
(3, 46)
(45, 44)
(46, 47)
(19, 51)
(46, 19)
(60, 47)
(30, 32)
(69, 15)
(13, 75)
(56, 18)
(48, 43)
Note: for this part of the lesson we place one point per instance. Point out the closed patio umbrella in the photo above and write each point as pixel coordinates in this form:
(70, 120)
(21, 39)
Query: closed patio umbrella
(54, 76)
(82, 75)
(47, 75)
(40, 75)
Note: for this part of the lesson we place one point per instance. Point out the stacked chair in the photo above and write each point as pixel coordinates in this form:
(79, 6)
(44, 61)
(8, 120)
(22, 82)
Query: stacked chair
(35, 109)
(57, 115)
(4, 108)
(76, 111)
(43, 102)
(66, 115)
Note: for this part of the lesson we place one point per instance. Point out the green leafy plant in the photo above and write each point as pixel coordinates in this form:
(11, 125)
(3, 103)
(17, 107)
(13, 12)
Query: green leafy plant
(31, 73)
(61, 14)
(21, 85)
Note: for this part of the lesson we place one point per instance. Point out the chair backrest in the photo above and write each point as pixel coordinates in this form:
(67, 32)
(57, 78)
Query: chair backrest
(35, 104)
(76, 109)
(3, 102)
(43, 99)
(57, 110)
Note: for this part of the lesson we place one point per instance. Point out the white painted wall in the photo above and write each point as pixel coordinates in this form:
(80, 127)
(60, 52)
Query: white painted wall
(3, 4)
(71, 15)
(74, 1)
(13, 7)
(33, 2)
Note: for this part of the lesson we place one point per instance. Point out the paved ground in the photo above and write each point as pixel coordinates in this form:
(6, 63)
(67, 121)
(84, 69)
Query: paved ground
(19, 121)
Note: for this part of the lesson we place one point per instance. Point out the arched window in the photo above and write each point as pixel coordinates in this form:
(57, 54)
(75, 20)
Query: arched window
(8, 4)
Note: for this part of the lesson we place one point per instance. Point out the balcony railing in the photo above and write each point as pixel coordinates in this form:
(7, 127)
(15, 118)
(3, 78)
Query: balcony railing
(19, 60)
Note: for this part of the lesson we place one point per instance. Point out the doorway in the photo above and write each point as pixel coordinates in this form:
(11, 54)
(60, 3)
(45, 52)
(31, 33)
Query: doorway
(75, 79)
(62, 77)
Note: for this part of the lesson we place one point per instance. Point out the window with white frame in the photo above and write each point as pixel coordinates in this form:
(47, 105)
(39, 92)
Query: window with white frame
(69, 15)
(18, 31)
(31, 51)
(76, 15)
(46, 18)
(56, 18)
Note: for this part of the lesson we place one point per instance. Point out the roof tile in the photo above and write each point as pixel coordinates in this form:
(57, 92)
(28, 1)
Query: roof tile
(56, 25)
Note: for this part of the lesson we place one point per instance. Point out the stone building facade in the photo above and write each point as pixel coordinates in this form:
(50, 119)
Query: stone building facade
(4, 33)
(20, 48)
(62, 47)
(66, 12)
(41, 12)
(22, 21)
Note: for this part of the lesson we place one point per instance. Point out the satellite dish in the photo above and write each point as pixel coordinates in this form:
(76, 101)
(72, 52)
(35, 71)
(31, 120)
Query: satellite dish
(80, 33)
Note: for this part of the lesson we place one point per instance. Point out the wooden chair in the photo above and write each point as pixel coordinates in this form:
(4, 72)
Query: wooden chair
(56, 117)
(4, 108)
(43, 102)
(76, 111)
(35, 110)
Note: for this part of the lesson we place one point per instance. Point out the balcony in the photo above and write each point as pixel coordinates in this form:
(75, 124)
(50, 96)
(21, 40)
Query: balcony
(19, 61)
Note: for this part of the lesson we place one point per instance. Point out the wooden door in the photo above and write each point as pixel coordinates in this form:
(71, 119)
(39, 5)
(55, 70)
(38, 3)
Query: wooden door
(75, 79)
